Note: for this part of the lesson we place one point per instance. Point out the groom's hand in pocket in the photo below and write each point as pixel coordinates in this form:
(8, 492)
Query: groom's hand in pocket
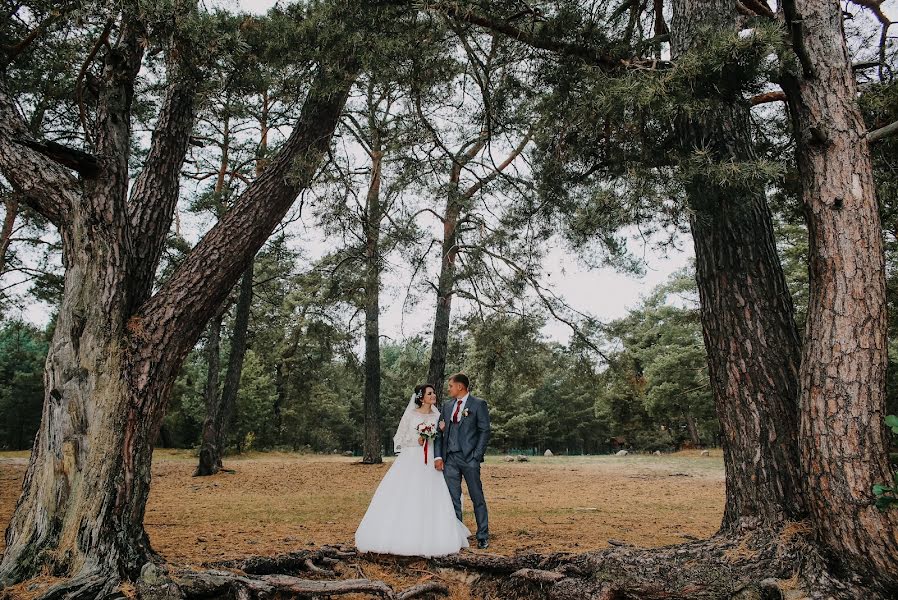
(438, 464)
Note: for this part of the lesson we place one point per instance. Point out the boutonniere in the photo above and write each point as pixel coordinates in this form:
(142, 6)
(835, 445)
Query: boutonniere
(465, 412)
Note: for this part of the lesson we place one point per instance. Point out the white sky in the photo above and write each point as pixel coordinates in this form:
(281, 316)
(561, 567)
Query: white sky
(602, 293)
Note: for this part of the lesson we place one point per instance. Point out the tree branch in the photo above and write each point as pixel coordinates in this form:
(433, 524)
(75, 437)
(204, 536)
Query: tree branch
(767, 97)
(79, 81)
(541, 294)
(154, 196)
(883, 132)
(468, 14)
(13, 52)
(113, 116)
(469, 193)
(83, 163)
(875, 7)
(175, 316)
(45, 186)
(760, 8)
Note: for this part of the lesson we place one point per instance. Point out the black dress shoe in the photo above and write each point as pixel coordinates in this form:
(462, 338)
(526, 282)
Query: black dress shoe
(483, 544)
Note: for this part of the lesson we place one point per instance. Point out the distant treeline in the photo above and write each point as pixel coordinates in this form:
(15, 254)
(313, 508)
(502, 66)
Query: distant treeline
(301, 384)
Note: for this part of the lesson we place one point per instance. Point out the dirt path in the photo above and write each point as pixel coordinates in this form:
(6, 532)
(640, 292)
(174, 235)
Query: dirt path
(276, 503)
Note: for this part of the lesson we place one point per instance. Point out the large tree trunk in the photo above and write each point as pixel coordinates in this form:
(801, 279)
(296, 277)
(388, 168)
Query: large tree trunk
(82, 503)
(372, 448)
(235, 359)
(439, 348)
(209, 452)
(842, 436)
(83, 497)
(693, 430)
(116, 350)
(746, 310)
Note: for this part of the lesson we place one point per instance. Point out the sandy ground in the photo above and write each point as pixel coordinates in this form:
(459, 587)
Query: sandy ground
(281, 502)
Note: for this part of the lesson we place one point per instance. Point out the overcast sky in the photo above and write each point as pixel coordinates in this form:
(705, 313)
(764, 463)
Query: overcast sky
(602, 293)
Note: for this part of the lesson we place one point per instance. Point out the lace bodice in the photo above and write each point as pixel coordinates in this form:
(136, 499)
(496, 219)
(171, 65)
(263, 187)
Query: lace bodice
(407, 432)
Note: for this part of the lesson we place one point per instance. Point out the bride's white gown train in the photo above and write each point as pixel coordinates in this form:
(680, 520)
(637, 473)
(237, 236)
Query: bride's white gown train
(411, 513)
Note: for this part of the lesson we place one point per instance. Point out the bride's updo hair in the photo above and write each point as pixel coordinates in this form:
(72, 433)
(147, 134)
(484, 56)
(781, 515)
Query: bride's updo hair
(420, 390)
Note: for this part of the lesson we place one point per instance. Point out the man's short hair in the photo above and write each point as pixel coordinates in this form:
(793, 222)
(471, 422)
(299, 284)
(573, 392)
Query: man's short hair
(462, 379)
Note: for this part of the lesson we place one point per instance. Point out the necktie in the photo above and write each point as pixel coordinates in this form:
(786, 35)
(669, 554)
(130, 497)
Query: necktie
(455, 414)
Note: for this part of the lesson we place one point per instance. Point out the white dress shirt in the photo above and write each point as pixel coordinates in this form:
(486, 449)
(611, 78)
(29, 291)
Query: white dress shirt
(461, 409)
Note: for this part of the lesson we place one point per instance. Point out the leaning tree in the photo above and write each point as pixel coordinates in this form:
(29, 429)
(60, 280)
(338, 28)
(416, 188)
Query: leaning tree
(621, 121)
(119, 343)
(252, 89)
(812, 443)
(842, 436)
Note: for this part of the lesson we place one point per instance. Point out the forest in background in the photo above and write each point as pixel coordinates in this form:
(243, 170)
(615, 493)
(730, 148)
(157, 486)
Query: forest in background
(298, 393)
(160, 150)
(302, 391)
(640, 382)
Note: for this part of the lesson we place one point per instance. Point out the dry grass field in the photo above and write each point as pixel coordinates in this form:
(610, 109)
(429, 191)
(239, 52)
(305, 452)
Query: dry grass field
(281, 502)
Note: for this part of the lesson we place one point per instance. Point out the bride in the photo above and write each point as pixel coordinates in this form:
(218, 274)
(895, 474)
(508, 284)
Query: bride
(411, 513)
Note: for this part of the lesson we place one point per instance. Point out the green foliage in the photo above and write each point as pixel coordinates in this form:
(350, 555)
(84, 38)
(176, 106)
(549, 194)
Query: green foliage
(540, 393)
(183, 422)
(656, 391)
(254, 413)
(610, 153)
(892, 422)
(23, 351)
(887, 494)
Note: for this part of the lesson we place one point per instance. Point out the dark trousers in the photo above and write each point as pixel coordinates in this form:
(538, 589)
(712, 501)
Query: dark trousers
(454, 469)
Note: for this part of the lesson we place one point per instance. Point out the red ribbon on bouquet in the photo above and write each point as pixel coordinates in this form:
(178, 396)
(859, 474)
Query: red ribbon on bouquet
(426, 440)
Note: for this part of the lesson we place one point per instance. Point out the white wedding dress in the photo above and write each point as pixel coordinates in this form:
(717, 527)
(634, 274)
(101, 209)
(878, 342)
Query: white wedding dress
(411, 513)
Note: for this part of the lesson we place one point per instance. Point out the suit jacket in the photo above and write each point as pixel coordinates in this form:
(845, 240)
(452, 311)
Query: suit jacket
(473, 429)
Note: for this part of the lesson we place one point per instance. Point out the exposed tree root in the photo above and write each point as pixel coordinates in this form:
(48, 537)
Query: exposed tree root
(267, 577)
(417, 591)
(89, 585)
(294, 562)
(753, 564)
(750, 565)
(212, 584)
(218, 584)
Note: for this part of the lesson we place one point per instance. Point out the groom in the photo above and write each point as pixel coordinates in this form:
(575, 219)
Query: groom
(462, 443)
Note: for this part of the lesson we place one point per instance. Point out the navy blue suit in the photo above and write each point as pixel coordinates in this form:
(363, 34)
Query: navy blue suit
(462, 447)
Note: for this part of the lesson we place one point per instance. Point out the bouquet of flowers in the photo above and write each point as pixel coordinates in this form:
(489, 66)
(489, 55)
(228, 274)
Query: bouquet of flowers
(427, 431)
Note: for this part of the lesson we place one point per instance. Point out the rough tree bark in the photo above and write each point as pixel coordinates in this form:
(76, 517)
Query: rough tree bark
(746, 310)
(239, 341)
(842, 437)
(209, 444)
(117, 347)
(220, 406)
(372, 448)
(76, 513)
(11, 205)
(439, 347)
